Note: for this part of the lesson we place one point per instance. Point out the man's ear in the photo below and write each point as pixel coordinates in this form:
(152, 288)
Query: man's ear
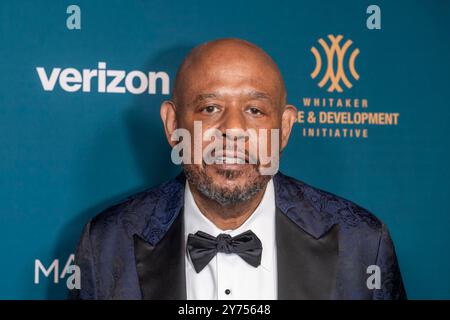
(287, 121)
(169, 120)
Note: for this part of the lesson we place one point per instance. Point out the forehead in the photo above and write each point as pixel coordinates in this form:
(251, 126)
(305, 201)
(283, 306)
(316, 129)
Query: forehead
(223, 93)
(230, 78)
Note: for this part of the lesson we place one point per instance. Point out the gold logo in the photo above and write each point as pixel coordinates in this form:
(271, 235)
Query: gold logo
(335, 54)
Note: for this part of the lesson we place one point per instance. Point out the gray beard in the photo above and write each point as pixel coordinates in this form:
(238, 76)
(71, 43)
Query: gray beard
(205, 185)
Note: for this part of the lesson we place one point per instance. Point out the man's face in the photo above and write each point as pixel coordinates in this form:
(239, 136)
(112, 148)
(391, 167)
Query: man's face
(224, 94)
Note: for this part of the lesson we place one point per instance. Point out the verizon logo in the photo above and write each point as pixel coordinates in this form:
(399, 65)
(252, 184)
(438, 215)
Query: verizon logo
(104, 80)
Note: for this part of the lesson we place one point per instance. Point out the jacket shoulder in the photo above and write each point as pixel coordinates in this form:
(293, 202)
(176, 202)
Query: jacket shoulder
(331, 207)
(131, 215)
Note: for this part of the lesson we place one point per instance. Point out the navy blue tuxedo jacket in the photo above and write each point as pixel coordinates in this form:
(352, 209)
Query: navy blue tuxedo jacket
(136, 250)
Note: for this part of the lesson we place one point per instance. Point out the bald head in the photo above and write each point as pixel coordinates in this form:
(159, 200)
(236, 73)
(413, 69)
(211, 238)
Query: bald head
(227, 60)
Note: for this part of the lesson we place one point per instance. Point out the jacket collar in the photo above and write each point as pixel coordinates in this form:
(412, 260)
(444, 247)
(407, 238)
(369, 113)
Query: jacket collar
(304, 205)
(301, 203)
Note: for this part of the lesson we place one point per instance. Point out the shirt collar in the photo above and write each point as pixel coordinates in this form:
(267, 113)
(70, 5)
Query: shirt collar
(261, 222)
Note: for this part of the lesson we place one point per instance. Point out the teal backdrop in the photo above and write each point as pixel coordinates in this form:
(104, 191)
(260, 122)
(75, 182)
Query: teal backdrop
(65, 156)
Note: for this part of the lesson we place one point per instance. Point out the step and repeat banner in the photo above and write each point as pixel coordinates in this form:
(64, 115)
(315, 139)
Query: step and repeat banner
(81, 84)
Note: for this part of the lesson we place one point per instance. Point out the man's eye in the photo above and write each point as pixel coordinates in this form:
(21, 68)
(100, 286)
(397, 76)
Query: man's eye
(210, 109)
(254, 111)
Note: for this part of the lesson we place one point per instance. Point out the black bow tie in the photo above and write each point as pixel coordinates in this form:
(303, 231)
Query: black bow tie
(203, 247)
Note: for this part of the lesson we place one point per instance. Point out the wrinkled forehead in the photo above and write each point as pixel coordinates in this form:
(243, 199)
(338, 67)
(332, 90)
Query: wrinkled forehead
(231, 71)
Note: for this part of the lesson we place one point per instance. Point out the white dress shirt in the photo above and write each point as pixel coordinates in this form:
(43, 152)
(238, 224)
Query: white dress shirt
(228, 276)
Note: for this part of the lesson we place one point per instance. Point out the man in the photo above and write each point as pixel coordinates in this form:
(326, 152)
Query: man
(224, 229)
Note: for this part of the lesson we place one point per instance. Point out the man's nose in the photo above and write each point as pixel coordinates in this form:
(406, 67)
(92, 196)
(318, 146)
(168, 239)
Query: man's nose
(233, 119)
